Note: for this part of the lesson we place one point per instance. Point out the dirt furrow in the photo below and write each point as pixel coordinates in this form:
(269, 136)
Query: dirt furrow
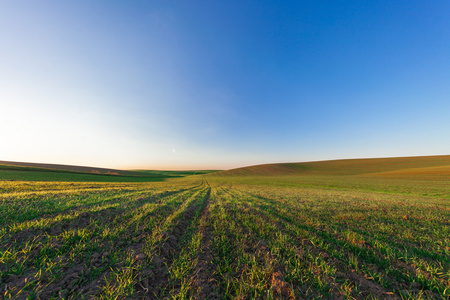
(74, 269)
(68, 222)
(204, 281)
(154, 281)
(112, 199)
(366, 286)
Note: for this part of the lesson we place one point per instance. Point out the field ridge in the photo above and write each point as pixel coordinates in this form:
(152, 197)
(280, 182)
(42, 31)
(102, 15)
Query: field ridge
(346, 167)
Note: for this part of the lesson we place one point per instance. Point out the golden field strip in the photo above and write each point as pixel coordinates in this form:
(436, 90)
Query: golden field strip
(226, 237)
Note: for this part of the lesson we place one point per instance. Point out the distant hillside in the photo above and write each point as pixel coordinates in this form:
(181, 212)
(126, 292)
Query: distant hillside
(52, 172)
(10, 170)
(177, 173)
(383, 167)
(70, 168)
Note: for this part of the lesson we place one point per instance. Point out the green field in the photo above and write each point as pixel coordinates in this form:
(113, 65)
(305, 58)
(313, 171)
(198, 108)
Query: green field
(49, 172)
(354, 229)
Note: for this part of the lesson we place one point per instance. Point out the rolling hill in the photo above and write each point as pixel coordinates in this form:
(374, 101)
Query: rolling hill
(69, 168)
(379, 167)
(55, 172)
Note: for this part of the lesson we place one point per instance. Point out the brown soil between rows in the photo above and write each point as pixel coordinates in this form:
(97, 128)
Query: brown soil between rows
(84, 219)
(70, 285)
(368, 287)
(275, 272)
(155, 282)
(205, 285)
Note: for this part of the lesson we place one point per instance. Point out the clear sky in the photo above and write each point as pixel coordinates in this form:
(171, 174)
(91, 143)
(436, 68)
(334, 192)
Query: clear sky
(222, 84)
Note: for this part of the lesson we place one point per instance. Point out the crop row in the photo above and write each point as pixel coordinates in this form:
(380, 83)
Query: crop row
(194, 239)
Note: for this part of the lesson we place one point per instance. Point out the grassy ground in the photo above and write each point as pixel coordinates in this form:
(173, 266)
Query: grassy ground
(226, 237)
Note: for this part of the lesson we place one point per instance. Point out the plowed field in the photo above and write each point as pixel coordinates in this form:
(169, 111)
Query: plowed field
(216, 238)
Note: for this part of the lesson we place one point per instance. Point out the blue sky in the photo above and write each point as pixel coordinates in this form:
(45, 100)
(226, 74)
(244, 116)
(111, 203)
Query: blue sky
(222, 84)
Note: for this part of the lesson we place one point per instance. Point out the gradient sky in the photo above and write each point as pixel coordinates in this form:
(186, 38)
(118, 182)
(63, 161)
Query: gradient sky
(222, 84)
